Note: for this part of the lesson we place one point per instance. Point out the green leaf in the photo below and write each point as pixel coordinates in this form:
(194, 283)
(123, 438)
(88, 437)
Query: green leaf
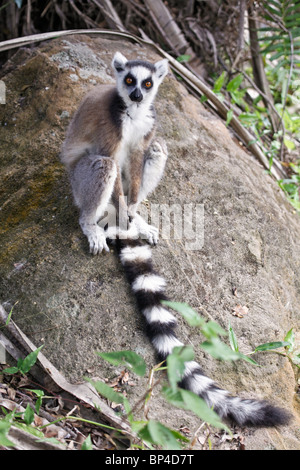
(233, 339)
(87, 444)
(26, 364)
(272, 345)
(212, 329)
(158, 434)
(248, 359)
(176, 364)
(107, 392)
(111, 395)
(175, 371)
(235, 83)
(11, 370)
(229, 116)
(4, 429)
(237, 97)
(173, 397)
(192, 317)
(30, 429)
(10, 314)
(136, 426)
(129, 359)
(183, 58)
(51, 440)
(275, 4)
(28, 414)
(290, 338)
(219, 83)
(39, 394)
(289, 143)
(184, 353)
(5, 442)
(188, 400)
(248, 119)
(219, 350)
(196, 404)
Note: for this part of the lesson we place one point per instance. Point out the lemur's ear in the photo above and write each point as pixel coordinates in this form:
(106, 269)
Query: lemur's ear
(161, 68)
(119, 62)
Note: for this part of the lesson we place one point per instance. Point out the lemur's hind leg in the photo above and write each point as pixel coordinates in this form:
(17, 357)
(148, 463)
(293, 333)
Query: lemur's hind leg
(154, 164)
(93, 179)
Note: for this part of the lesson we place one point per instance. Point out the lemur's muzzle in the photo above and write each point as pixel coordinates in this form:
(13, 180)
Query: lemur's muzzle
(136, 95)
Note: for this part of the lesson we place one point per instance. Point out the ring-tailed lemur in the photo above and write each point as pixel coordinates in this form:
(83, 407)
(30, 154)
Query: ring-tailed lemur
(110, 154)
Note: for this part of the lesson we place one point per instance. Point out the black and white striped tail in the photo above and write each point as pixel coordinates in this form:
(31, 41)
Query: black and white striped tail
(149, 290)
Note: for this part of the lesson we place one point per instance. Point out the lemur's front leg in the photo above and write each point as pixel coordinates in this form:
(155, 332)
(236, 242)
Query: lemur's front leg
(119, 202)
(135, 181)
(137, 165)
(154, 162)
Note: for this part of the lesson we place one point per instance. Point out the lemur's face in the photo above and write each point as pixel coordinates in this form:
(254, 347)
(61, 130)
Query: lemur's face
(137, 80)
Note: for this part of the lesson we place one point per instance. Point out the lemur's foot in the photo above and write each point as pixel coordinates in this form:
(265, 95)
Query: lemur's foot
(146, 231)
(96, 238)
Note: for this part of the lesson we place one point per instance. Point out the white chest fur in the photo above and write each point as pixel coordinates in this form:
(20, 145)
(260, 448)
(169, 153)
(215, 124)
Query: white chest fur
(137, 123)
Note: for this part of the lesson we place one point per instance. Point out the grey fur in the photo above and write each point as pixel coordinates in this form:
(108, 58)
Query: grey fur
(110, 151)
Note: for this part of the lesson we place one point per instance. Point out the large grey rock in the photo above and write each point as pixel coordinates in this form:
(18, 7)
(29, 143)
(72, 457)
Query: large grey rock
(78, 304)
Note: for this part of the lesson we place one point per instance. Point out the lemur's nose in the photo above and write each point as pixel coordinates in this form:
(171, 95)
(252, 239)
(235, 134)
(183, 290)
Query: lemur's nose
(136, 95)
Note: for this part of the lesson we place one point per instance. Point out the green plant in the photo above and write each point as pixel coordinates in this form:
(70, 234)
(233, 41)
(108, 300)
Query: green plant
(151, 432)
(155, 433)
(265, 94)
(288, 344)
(280, 47)
(5, 425)
(211, 331)
(281, 33)
(280, 50)
(291, 186)
(24, 419)
(24, 365)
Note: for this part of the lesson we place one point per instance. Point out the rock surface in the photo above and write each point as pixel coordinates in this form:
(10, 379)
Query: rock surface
(78, 304)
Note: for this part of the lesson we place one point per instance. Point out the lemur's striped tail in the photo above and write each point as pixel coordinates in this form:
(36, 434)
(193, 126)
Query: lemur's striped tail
(149, 290)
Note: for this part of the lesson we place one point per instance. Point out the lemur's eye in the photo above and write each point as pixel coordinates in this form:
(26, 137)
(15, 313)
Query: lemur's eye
(129, 81)
(148, 84)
